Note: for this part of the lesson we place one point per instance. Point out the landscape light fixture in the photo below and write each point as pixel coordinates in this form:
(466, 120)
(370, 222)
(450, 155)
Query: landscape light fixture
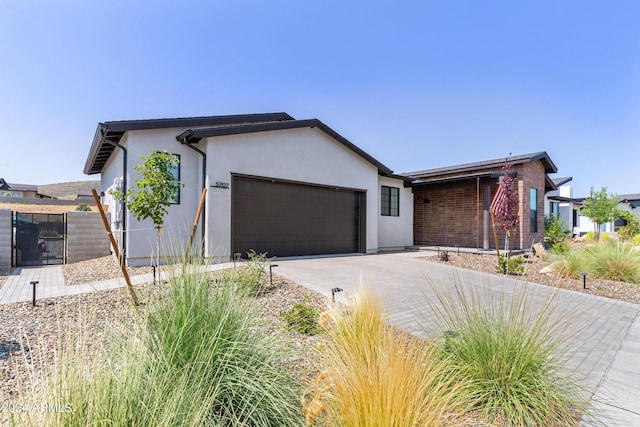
(584, 279)
(334, 291)
(34, 283)
(271, 273)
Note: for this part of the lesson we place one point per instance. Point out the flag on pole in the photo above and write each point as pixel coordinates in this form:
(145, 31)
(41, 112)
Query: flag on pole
(499, 202)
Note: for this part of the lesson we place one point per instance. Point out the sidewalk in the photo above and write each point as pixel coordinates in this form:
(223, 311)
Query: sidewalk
(18, 287)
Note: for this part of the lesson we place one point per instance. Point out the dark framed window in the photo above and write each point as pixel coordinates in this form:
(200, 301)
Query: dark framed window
(533, 210)
(554, 208)
(176, 179)
(390, 201)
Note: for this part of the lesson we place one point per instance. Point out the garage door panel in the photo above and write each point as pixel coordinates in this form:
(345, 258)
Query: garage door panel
(286, 219)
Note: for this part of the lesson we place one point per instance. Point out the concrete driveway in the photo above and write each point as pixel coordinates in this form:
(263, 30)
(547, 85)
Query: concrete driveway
(606, 347)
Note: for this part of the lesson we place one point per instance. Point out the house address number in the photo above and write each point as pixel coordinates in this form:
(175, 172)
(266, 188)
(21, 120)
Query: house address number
(221, 185)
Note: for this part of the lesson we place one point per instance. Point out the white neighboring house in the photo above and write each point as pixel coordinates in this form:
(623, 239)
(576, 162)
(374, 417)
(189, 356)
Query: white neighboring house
(560, 202)
(628, 202)
(274, 184)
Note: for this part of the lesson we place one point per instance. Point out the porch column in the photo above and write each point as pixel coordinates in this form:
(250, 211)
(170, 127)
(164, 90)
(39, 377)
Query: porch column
(486, 222)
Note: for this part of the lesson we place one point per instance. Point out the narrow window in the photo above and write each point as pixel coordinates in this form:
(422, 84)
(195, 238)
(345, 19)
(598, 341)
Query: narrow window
(533, 209)
(554, 208)
(390, 201)
(176, 179)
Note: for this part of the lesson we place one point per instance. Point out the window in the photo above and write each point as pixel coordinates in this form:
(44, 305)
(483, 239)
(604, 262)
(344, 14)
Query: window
(533, 210)
(176, 178)
(390, 201)
(554, 208)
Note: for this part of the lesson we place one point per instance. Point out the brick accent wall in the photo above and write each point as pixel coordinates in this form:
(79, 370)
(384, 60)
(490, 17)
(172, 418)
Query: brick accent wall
(6, 230)
(453, 215)
(86, 236)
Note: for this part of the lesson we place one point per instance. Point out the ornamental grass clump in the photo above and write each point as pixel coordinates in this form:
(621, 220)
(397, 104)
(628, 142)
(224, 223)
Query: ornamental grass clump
(509, 354)
(614, 261)
(190, 358)
(374, 375)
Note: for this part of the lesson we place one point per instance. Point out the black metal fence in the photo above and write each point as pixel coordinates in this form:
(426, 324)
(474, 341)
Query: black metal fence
(39, 239)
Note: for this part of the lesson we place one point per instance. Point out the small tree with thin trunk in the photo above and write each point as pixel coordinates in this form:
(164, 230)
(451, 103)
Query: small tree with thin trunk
(155, 191)
(601, 207)
(505, 205)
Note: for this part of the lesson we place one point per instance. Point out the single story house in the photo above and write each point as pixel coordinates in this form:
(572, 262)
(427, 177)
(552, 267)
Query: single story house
(17, 190)
(274, 184)
(451, 204)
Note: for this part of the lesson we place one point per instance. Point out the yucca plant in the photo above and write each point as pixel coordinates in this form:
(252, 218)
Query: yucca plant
(374, 375)
(509, 353)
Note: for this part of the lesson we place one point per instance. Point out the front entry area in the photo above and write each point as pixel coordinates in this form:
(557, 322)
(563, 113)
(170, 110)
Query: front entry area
(283, 218)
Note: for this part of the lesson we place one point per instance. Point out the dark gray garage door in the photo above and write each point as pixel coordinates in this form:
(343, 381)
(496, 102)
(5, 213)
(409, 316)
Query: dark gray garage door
(291, 219)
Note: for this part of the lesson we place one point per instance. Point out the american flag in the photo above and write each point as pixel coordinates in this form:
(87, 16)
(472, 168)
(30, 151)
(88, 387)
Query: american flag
(498, 205)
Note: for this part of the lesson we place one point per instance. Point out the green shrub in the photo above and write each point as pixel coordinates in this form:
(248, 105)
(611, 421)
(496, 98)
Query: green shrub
(636, 240)
(555, 230)
(590, 237)
(302, 319)
(613, 261)
(252, 280)
(507, 350)
(512, 265)
(632, 229)
(83, 207)
(560, 248)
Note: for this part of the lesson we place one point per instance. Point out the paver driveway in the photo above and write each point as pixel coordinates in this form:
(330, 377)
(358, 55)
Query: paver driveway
(606, 349)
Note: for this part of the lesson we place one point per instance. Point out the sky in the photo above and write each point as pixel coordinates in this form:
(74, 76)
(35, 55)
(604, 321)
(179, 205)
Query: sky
(416, 84)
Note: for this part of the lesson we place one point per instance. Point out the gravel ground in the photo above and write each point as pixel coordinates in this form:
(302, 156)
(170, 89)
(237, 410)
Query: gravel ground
(97, 269)
(605, 288)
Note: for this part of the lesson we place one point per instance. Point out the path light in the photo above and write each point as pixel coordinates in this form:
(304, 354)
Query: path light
(271, 273)
(584, 279)
(236, 258)
(334, 291)
(34, 283)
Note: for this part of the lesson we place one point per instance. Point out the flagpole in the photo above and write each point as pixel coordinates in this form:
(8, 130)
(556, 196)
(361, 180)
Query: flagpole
(495, 235)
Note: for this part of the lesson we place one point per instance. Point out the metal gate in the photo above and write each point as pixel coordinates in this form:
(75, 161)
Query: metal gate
(39, 239)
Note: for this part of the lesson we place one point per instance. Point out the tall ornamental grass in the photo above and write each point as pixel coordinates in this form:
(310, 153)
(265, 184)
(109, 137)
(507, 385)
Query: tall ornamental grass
(191, 358)
(374, 375)
(508, 354)
(610, 260)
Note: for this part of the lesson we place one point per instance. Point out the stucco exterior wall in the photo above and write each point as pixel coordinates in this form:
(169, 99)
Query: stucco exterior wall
(303, 155)
(396, 231)
(86, 236)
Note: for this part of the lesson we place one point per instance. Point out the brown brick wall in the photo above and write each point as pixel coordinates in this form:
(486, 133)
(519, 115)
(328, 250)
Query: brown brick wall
(454, 214)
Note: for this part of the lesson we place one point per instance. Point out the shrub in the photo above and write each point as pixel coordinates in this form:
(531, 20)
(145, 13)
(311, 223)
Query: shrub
(83, 207)
(560, 248)
(636, 240)
(590, 237)
(252, 281)
(510, 265)
(302, 319)
(631, 229)
(375, 375)
(508, 354)
(613, 261)
(555, 230)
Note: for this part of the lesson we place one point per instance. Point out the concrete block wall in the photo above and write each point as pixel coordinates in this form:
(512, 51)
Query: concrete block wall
(86, 236)
(5, 239)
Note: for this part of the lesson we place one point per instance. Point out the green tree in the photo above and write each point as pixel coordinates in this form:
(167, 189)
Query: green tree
(601, 207)
(155, 191)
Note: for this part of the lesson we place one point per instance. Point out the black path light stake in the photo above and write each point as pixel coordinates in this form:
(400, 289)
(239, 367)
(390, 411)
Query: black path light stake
(34, 283)
(584, 280)
(271, 273)
(334, 291)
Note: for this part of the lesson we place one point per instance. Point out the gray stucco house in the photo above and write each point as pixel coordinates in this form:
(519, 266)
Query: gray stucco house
(274, 184)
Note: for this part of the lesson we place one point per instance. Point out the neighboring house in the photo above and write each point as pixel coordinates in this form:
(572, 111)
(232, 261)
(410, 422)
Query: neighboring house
(275, 184)
(560, 202)
(452, 203)
(628, 202)
(17, 190)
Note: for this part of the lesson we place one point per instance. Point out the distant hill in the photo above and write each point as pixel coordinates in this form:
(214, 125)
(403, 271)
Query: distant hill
(68, 190)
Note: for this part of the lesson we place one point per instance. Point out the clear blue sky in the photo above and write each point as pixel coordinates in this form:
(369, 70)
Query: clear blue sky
(417, 84)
